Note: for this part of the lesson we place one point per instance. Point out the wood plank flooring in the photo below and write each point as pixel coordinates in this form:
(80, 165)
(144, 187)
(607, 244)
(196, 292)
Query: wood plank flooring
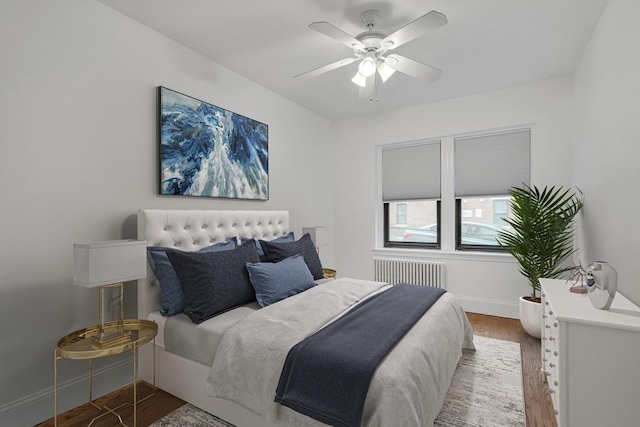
(538, 407)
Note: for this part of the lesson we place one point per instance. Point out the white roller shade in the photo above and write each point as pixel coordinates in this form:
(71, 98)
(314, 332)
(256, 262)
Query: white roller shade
(411, 172)
(491, 164)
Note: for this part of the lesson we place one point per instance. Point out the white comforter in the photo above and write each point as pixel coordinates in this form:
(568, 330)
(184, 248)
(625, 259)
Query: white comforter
(407, 389)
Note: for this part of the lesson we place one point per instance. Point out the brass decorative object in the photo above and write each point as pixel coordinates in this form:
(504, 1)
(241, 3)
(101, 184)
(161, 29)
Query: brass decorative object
(577, 276)
(329, 273)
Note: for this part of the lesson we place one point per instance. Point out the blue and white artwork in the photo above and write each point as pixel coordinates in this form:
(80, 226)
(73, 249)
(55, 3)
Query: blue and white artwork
(208, 151)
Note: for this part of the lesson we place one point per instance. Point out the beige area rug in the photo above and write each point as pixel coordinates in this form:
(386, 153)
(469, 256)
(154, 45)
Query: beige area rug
(486, 390)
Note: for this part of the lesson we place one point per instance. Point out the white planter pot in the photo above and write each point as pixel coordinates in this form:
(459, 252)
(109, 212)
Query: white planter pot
(531, 317)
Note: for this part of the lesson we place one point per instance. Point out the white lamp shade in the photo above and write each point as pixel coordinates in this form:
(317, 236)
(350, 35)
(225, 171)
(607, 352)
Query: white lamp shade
(319, 235)
(103, 263)
(385, 71)
(367, 66)
(359, 79)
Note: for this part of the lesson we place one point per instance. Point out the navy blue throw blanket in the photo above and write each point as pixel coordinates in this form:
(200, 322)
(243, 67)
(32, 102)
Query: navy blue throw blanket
(326, 376)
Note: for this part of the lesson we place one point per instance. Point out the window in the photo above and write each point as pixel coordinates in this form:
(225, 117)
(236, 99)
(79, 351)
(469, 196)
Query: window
(401, 214)
(500, 210)
(484, 166)
(480, 230)
(422, 226)
(459, 184)
(411, 193)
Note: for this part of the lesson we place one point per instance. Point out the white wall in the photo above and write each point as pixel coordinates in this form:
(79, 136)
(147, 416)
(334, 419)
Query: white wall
(485, 284)
(606, 144)
(78, 158)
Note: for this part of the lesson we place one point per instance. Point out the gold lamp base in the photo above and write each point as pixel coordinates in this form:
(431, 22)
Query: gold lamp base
(111, 339)
(111, 336)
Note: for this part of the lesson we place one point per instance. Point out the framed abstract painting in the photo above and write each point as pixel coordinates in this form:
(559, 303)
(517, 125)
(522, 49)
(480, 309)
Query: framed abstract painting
(207, 151)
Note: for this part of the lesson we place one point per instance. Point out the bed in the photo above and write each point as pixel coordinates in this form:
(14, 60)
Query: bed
(209, 366)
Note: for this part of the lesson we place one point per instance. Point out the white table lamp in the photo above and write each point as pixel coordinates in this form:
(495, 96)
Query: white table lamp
(108, 265)
(319, 235)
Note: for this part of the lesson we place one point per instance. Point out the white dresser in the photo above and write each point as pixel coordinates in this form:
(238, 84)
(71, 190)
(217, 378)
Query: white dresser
(591, 358)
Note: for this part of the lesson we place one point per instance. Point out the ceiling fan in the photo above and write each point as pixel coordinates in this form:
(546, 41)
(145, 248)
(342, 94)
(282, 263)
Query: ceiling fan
(370, 49)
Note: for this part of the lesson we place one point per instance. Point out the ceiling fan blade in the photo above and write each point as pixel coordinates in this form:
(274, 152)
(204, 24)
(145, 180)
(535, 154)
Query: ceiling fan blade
(324, 69)
(413, 68)
(429, 22)
(336, 34)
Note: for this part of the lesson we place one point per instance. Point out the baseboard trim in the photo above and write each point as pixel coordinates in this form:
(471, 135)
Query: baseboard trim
(38, 407)
(490, 307)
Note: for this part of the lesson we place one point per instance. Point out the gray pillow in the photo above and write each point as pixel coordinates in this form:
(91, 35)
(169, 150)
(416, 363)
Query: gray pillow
(214, 282)
(278, 251)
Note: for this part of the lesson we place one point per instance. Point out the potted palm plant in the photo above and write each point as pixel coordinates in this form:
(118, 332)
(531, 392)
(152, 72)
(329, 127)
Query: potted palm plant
(540, 239)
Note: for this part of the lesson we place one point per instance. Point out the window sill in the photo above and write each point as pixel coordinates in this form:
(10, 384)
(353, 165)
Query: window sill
(444, 255)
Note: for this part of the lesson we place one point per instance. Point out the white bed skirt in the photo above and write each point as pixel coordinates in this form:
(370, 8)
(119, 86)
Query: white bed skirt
(187, 380)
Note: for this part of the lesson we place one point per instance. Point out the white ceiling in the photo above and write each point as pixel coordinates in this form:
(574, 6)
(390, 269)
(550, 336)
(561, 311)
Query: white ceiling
(485, 46)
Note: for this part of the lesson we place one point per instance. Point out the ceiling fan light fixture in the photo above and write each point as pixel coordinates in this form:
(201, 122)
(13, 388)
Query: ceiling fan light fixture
(367, 66)
(385, 71)
(370, 48)
(359, 79)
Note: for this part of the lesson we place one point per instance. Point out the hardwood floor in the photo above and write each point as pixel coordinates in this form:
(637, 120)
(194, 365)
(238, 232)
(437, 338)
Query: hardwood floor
(537, 400)
(538, 407)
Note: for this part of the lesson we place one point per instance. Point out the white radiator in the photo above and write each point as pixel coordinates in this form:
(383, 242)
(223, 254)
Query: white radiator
(404, 270)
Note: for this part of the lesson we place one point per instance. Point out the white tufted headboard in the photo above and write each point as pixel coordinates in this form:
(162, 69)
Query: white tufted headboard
(191, 230)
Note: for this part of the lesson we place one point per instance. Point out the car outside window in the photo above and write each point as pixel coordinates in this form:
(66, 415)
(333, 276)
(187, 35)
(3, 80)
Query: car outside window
(420, 227)
(478, 222)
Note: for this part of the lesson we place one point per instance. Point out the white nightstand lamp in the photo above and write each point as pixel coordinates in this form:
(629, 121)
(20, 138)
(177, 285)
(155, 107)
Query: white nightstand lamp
(319, 235)
(108, 265)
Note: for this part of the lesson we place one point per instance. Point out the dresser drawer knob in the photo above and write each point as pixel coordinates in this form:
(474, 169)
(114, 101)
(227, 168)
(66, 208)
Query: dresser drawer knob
(555, 383)
(550, 313)
(555, 324)
(555, 353)
(552, 339)
(547, 326)
(546, 303)
(553, 365)
(547, 350)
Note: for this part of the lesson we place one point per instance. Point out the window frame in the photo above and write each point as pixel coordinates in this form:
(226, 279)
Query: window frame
(449, 230)
(403, 214)
(458, 232)
(409, 245)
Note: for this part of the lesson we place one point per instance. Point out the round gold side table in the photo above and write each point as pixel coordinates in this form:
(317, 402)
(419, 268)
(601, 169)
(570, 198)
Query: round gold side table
(82, 344)
(329, 273)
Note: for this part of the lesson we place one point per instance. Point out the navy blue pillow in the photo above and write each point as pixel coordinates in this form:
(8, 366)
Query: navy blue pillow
(286, 238)
(171, 297)
(214, 282)
(277, 251)
(279, 280)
